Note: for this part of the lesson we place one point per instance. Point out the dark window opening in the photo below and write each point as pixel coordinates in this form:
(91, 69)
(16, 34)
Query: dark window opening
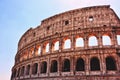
(66, 65)
(14, 74)
(104, 25)
(56, 33)
(34, 34)
(44, 67)
(48, 28)
(28, 70)
(110, 63)
(35, 68)
(54, 66)
(94, 64)
(25, 40)
(80, 66)
(91, 18)
(66, 22)
(22, 71)
(118, 53)
(18, 72)
(78, 28)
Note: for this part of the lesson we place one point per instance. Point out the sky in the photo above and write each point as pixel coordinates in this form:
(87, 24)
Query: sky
(17, 16)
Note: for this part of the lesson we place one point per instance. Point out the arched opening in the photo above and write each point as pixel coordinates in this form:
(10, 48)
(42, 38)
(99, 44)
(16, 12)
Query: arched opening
(67, 44)
(118, 39)
(14, 73)
(66, 22)
(80, 65)
(31, 52)
(39, 50)
(66, 65)
(25, 55)
(79, 42)
(106, 40)
(54, 66)
(47, 47)
(44, 67)
(56, 45)
(22, 71)
(94, 64)
(18, 72)
(35, 68)
(110, 63)
(28, 70)
(93, 41)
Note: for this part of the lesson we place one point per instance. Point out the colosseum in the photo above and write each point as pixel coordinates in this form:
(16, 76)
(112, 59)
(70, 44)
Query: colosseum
(80, 44)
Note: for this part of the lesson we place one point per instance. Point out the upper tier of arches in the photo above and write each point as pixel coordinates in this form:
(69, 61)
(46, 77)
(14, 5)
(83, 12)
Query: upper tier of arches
(76, 42)
(93, 17)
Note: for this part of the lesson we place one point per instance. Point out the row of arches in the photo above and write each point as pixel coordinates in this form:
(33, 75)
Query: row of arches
(79, 42)
(66, 66)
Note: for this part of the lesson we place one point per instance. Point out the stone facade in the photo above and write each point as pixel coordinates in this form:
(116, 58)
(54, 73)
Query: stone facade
(92, 36)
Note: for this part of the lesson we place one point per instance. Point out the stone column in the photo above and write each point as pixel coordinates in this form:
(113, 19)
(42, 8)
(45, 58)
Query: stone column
(86, 42)
(72, 66)
(41, 48)
(72, 42)
(117, 59)
(87, 65)
(48, 66)
(30, 73)
(114, 36)
(28, 53)
(103, 63)
(50, 46)
(112, 39)
(60, 44)
(99, 40)
(59, 65)
(34, 48)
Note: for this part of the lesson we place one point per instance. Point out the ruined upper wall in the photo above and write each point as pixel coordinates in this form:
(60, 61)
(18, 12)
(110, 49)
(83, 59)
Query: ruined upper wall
(89, 17)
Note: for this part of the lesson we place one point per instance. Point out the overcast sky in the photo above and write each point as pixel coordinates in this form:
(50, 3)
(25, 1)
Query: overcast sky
(17, 16)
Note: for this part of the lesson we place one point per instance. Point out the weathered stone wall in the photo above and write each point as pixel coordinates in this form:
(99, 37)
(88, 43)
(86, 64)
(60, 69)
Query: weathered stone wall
(97, 21)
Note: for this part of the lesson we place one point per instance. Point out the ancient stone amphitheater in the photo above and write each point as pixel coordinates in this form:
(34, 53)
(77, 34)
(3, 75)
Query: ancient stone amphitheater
(80, 44)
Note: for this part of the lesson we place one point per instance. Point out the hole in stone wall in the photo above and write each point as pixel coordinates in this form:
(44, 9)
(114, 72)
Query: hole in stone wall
(104, 25)
(67, 44)
(54, 66)
(106, 40)
(44, 67)
(28, 70)
(91, 18)
(66, 65)
(56, 45)
(80, 66)
(22, 71)
(118, 53)
(18, 72)
(25, 40)
(118, 39)
(35, 68)
(48, 28)
(34, 34)
(56, 33)
(79, 42)
(94, 64)
(66, 22)
(110, 63)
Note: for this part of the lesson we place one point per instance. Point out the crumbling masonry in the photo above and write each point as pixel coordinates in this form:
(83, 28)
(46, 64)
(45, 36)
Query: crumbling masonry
(81, 44)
